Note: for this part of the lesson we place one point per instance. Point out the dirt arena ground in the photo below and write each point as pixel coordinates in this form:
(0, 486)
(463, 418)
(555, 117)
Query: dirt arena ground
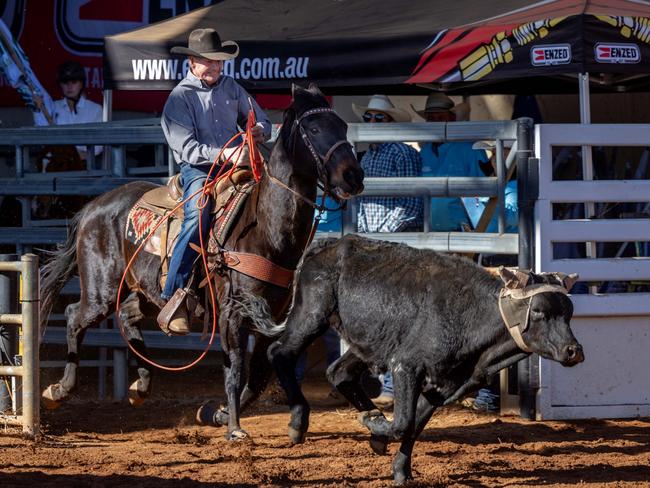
(92, 444)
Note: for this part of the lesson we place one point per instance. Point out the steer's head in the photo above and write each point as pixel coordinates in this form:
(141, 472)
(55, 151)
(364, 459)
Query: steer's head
(538, 305)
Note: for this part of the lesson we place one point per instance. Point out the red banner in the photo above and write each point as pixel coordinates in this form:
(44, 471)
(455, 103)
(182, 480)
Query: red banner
(53, 31)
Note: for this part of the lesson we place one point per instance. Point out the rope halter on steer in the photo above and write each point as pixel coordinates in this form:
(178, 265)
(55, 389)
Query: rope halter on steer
(514, 305)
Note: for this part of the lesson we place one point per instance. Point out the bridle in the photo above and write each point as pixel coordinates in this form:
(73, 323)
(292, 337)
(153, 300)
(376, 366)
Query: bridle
(321, 160)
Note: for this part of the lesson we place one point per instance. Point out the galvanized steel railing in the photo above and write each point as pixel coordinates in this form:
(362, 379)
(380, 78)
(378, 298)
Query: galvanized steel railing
(28, 321)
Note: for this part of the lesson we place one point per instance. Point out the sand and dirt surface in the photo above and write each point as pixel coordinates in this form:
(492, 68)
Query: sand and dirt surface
(97, 444)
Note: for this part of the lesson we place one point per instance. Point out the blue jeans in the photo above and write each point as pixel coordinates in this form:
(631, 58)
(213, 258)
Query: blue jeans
(183, 256)
(387, 384)
(332, 353)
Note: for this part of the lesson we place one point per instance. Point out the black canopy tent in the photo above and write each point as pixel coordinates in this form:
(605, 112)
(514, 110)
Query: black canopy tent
(366, 46)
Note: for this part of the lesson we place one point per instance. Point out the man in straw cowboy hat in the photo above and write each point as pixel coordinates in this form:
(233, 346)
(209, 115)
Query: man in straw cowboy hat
(448, 159)
(201, 114)
(388, 214)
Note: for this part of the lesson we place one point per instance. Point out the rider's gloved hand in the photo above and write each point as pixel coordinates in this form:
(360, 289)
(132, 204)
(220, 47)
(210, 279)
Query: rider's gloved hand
(257, 131)
(235, 155)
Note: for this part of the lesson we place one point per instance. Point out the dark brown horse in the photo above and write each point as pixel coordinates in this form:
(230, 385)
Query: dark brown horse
(275, 223)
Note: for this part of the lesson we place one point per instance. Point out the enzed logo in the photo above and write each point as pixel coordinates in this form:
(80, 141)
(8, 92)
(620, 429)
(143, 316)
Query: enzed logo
(550, 54)
(617, 53)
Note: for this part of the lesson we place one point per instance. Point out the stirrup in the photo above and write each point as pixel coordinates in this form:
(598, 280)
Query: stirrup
(170, 311)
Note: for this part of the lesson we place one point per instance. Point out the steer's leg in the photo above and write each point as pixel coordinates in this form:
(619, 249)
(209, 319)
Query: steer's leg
(407, 385)
(345, 374)
(309, 318)
(427, 404)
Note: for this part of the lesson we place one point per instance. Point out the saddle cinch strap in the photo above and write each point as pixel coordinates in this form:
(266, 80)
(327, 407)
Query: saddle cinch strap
(258, 267)
(251, 265)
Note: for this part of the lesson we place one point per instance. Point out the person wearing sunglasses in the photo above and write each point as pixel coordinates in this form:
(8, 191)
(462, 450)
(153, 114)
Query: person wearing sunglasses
(388, 214)
(448, 159)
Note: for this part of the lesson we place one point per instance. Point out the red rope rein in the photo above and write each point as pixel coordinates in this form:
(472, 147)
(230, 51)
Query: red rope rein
(257, 163)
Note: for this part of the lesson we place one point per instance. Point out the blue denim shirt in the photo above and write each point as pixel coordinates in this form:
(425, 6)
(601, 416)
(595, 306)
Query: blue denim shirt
(450, 159)
(199, 119)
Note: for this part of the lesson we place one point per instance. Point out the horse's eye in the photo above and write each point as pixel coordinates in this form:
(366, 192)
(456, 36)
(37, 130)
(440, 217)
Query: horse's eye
(314, 130)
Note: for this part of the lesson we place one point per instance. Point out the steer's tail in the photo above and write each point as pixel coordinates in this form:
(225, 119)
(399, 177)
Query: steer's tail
(255, 308)
(57, 271)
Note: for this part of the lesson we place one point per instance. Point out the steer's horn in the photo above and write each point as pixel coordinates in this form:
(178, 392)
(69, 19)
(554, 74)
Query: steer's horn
(513, 278)
(569, 281)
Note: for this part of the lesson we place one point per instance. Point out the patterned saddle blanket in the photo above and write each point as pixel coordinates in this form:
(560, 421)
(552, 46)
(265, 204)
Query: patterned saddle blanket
(229, 195)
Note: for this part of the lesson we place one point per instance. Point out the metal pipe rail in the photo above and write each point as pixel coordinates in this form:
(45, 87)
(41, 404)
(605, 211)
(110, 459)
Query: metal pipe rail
(28, 320)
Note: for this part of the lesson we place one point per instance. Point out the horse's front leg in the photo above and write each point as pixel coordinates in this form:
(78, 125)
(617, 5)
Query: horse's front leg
(212, 413)
(235, 376)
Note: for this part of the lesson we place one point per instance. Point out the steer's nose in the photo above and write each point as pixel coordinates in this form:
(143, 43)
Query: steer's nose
(574, 354)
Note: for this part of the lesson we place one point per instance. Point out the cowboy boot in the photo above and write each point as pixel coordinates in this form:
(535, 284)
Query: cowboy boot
(178, 324)
(172, 319)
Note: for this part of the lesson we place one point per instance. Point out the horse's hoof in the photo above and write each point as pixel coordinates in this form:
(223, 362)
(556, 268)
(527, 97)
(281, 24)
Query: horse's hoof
(379, 444)
(136, 397)
(211, 414)
(237, 435)
(296, 436)
(50, 399)
(400, 479)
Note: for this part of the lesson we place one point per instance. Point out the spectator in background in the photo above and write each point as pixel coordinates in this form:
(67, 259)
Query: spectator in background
(388, 214)
(475, 206)
(448, 159)
(388, 160)
(74, 107)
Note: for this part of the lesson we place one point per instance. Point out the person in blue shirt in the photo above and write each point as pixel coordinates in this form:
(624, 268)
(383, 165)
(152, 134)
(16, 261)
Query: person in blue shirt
(331, 219)
(475, 206)
(200, 116)
(448, 159)
(388, 160)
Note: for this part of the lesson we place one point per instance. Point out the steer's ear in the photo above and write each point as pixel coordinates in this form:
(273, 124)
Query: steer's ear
(513, 278)
(569, 281)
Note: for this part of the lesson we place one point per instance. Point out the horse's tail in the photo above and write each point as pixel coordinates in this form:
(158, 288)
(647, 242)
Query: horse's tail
(56, 272)
(255, 308)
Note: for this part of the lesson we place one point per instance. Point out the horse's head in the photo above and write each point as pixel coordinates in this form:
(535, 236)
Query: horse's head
(318, 139)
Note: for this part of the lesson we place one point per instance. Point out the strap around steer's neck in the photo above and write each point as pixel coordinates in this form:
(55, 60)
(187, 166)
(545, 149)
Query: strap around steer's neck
(526, 293)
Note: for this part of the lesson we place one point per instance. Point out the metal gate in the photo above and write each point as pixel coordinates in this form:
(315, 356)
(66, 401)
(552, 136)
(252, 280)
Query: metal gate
(613, 327)
(29, 370)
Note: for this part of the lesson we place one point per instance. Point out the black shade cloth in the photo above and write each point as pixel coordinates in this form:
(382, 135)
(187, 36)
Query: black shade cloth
(364, 46)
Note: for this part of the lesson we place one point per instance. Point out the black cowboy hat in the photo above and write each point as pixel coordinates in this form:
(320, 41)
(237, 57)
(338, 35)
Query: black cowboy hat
(70, 71)
(206, 43)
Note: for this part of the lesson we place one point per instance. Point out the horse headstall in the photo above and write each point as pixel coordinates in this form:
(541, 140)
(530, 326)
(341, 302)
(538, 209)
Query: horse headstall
(320, 159)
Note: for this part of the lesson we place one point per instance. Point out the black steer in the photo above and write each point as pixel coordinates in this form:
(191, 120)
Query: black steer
(433, 320)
